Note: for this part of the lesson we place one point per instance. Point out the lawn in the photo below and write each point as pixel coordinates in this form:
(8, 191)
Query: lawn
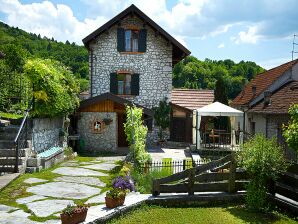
(210, 215)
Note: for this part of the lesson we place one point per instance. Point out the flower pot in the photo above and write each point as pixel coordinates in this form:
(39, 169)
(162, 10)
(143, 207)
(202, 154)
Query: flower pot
(114, 202)
(76, 217)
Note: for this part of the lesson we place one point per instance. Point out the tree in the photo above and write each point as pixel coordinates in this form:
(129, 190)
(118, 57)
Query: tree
(55, 90)
(291, 130)
(162, 117)
(220, 95)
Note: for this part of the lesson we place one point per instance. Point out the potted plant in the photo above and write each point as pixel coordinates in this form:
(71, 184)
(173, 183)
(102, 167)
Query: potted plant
(120, 187)
(74, 214)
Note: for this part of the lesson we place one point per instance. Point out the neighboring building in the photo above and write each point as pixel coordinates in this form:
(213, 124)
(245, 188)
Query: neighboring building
(267, 98)
(130, 61)
(184, 102)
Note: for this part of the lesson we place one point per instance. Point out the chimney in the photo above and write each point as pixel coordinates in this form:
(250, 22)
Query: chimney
(267, 100)
(254, 90)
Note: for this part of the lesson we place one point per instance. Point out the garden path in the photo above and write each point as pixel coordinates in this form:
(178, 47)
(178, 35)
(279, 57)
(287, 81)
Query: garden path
(76, 181)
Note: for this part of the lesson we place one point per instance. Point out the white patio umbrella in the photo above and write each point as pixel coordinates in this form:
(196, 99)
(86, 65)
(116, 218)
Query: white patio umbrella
(216, 109)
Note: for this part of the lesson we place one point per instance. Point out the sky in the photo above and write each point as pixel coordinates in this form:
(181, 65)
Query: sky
(250, 30)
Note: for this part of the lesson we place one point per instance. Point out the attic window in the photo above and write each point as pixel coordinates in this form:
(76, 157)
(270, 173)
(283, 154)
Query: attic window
(131, 40)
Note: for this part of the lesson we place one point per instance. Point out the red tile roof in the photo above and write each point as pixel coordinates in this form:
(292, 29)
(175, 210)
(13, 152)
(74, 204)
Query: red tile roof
(261, 82)
(281, 100)
(192, 98)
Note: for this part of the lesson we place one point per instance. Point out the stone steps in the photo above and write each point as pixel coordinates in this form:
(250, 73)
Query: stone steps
(12, 152)
(10, 161)
(6, 144)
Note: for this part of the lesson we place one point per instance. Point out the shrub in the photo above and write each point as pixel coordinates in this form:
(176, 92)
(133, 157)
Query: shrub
(291, 130)
(263, 160)
(162, 117)
(136, 133)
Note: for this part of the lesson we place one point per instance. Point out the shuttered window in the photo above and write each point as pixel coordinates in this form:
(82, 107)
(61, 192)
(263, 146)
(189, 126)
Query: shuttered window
(124, 84)
(131, 40)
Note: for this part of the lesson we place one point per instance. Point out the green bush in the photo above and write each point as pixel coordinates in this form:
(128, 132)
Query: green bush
(162, 117)
(136, 133)
(55, 89)
(291, 131)
(263, 160)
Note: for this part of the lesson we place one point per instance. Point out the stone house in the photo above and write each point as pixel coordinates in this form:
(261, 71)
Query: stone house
(266, 100)
(130, 61)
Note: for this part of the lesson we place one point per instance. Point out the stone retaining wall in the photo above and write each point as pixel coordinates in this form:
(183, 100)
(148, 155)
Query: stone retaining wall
(46, 133)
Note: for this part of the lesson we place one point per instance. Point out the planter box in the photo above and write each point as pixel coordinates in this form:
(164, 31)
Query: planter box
(113, 203)
(74, 219)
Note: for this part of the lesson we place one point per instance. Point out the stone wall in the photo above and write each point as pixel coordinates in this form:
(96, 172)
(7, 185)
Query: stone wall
(106, 140)
(46, 133)
(154, 66)
(274, 125)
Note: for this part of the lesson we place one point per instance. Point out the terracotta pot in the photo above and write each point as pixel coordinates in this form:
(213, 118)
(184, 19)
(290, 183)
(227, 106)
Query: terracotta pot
(75, 218)
(114, 202)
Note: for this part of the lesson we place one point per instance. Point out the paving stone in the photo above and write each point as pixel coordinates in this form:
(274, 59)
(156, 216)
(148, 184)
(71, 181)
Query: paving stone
(64, 190)
(86, 163)
(48, 207)
(101, 166)
(74, 171)
(5, 208)
(30, 199)
(70, 163)
(17, 217)
(34, 180)
(81, 180)
(97, 199)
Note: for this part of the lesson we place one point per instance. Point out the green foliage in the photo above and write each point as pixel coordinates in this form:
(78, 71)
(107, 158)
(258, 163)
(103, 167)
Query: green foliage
(162, 116)
(195, 74)
(73, 56)
(115, 193)
(54, 88)
(220, 95)
(263, 160)
(291, 130)
(143, 182)
(136, 133)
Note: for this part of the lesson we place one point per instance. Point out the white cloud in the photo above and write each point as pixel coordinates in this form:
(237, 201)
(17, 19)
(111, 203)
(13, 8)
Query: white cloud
(49, 20)
(222, 45)
(273, 62)
(250, 36)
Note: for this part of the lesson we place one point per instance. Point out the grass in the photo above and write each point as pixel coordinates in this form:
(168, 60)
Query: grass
(210, 215)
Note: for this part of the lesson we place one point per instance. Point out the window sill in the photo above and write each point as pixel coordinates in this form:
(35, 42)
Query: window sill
(129, 52)
(126, 95)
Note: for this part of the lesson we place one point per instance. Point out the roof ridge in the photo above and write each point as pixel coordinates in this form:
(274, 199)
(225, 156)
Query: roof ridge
(295, 61)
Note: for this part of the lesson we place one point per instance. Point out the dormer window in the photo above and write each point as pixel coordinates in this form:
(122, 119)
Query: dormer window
(131, 40)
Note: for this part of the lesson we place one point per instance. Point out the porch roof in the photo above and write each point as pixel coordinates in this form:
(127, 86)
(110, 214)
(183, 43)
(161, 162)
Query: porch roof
(218, 109)
(114, 98)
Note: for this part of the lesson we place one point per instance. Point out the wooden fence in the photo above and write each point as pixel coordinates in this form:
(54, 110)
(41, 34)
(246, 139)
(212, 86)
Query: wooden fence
(204, 178)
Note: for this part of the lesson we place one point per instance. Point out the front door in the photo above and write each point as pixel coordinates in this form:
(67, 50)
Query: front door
(121, 134)
(178, 129)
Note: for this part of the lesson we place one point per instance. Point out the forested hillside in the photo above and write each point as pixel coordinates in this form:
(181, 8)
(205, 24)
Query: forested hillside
(70, 54)
(195, 74)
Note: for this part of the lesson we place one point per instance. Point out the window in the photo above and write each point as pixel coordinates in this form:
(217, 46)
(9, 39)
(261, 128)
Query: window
(131, 40)
(124, 84)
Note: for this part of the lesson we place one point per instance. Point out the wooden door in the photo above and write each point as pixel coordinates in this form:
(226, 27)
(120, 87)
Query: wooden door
(178, 129)
(121, 134)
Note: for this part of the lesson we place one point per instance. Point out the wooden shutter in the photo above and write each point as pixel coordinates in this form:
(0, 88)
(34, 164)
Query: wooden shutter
(135, 84)
(113, 83)
(143, 40)
(120, 40)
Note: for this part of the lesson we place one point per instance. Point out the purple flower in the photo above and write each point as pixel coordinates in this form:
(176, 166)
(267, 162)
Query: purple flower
(124, 183)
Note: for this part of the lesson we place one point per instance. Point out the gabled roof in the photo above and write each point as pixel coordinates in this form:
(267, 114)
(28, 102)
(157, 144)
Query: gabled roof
(262, 81)
(281, 100)
(114, 98)
(192, 99)
(178, 49)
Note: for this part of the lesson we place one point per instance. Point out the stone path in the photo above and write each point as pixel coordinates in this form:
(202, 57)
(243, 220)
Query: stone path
(6, 179)
(77, 180)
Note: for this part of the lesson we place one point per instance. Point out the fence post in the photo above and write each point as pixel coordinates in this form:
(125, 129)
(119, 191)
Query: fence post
(191, 180)
(155, 188)
(232, 176)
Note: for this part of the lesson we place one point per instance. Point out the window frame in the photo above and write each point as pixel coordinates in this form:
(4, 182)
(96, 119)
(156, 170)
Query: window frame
(132, 40)
(124, 83)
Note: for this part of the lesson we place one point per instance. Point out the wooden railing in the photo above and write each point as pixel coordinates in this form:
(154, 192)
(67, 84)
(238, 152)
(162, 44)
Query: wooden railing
(197, 179)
